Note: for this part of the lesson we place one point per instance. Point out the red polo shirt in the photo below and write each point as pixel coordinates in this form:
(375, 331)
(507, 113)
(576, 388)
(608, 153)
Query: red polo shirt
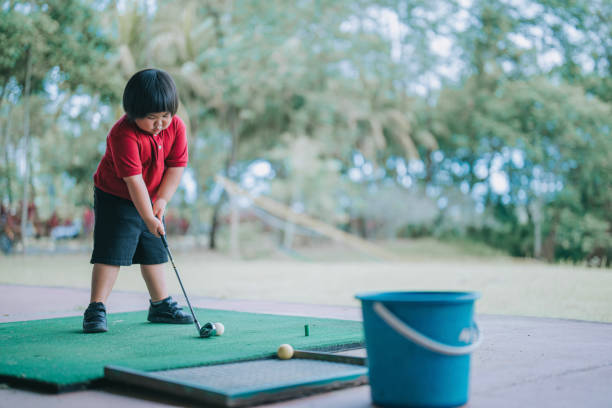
(131, 151)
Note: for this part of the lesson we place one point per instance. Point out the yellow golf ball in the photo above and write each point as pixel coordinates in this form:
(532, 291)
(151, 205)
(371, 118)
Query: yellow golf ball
(285, 351)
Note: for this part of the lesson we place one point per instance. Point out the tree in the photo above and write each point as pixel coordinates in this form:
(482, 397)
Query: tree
(40, 36)
(552, 142)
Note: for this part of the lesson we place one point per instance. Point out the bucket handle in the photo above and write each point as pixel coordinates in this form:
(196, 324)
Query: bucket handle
(422, 340)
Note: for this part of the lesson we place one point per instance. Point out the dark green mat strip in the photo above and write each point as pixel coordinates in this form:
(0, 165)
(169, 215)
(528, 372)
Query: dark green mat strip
(55, 352)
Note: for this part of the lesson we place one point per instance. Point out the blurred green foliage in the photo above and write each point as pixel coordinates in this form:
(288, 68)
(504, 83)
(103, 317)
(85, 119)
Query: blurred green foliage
(481, 119)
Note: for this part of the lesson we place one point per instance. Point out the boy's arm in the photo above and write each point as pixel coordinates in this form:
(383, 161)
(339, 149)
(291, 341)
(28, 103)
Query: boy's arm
(169, 184)
(140, 197)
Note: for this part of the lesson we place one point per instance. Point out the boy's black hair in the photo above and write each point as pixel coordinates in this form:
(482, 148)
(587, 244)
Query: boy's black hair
(150, 91)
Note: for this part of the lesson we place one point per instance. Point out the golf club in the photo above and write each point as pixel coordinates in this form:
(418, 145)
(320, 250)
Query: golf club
(209, 328)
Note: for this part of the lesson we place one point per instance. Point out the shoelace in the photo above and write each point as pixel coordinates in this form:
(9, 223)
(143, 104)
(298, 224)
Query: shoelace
(95, 314)
(174, 309)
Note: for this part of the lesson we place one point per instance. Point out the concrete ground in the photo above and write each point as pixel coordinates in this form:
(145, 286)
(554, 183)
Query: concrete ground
(524, 361)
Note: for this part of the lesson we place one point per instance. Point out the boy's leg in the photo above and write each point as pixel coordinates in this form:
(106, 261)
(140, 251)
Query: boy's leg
(116, 231)
(103, 279)
(155, 278)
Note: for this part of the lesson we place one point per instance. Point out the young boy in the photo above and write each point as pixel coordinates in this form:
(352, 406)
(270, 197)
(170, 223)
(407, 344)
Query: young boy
(146, 152)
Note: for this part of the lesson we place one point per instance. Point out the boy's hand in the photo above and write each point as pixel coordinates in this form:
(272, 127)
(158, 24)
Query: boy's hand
(155, 226)
(159, 208)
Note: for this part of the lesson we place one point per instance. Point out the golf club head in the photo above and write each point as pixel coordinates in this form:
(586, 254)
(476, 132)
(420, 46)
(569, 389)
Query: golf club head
(208, 330)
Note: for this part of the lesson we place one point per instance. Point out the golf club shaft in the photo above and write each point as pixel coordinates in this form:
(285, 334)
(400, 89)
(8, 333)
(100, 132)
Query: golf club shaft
(163, 237)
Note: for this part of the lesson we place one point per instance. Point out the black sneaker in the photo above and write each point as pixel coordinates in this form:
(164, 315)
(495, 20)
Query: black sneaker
(94, 320)
(168, 311)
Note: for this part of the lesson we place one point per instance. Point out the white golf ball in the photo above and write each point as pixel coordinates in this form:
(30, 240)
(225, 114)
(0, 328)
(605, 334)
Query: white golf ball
(220, 328)
(285, 351)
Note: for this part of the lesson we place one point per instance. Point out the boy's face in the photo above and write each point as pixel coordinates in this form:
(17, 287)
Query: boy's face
(154, 123)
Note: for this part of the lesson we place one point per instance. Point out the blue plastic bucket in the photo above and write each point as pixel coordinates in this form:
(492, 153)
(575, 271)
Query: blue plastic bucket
(419, 346)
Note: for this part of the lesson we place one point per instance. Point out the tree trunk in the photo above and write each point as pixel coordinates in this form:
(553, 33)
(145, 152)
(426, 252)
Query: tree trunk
(26, 137)
(214, 224)
(234, 228)
(548, 246)
(231, 160)
(234, 219)
(7, 157)
(195, 216)
(4, 134)
(289, 230)
(536, 216)
(537, 239)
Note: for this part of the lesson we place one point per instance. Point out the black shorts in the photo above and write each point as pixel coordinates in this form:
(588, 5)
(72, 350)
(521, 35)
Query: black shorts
(121, 237)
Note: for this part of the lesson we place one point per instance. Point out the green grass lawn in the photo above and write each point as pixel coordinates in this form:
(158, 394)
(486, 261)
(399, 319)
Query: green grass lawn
(333, 274)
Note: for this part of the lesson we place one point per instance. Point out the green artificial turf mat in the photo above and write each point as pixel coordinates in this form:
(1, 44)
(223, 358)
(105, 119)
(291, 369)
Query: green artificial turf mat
(55, 353)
